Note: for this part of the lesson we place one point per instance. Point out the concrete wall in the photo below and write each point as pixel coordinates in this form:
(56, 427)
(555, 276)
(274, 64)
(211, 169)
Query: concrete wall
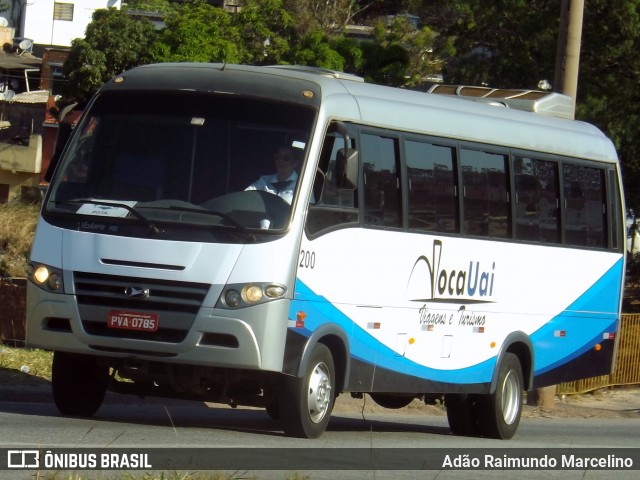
(20, 167)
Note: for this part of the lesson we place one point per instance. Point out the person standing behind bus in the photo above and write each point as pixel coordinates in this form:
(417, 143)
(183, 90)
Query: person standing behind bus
(283, 182)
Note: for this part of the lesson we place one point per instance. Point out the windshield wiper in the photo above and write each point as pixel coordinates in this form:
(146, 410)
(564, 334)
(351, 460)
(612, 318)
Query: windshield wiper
(241, 228)
(81, 201)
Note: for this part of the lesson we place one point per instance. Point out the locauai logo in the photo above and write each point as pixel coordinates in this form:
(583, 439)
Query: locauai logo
(433, 280)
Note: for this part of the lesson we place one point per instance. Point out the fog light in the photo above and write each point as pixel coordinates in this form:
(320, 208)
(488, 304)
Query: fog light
(54, 282)
(232, 298)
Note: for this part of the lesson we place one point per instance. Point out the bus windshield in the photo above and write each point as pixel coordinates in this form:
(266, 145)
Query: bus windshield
(186, 162)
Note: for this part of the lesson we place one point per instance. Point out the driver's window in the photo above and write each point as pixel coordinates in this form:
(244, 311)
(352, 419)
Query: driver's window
(331, 206)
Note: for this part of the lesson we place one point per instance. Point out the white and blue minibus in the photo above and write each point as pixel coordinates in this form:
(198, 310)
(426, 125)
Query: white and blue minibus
(431, 247)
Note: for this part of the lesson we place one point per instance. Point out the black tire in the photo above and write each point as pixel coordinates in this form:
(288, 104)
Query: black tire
(78, 383)
(501, 410)
(273, 410)
(461, 414)
(388, 400)
(306, 403)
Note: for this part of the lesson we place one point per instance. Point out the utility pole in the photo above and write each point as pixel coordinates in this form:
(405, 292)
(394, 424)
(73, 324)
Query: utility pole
(568, 50)
(566, 82)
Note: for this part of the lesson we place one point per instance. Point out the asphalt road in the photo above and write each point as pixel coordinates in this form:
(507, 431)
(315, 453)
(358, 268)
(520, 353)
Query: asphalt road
(179, 428)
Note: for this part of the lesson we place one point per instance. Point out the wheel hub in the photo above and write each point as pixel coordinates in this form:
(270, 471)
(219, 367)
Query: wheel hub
(510, 398)
(319, 394)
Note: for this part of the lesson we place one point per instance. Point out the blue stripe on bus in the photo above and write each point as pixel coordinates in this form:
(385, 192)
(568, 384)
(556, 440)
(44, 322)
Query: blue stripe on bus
(595, 310)
(364, 347)
(583, 323)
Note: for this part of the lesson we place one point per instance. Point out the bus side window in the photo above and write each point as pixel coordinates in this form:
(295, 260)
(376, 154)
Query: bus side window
(331, 205)
(432, 187)
(584, 206)
(536, 200)
(485, 193)
(382, 201)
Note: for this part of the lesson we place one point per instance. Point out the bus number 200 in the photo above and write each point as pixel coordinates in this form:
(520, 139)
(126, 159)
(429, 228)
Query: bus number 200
(307, 259)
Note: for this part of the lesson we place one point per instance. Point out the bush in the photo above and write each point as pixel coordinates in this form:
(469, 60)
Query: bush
(17, 227)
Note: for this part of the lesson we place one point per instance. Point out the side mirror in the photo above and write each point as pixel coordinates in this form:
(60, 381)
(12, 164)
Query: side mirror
(347, 168)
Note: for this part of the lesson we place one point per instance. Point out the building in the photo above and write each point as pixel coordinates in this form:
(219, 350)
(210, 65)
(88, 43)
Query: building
(49, 22)
(35, 36)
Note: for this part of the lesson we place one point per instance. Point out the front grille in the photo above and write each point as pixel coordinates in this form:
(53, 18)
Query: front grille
(108, 291)
(176, 304)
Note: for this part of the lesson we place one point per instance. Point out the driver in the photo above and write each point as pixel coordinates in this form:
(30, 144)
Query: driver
(283, 182)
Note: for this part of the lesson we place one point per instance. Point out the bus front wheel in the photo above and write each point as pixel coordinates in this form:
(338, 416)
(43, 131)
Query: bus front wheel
(306, 403)
(501, 410)
(78, 383)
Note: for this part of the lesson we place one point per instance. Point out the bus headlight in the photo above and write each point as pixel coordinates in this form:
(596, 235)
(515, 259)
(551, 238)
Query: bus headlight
(46, 277)
(253, 293)
(240, 296)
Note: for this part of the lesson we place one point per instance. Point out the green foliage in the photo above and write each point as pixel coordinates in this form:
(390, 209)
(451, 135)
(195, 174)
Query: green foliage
(85, 70)
(499, 43)
(328, 16)
(608, 93)
(266, 31)
(114, 42)
(198, 32)
(315, 50)
(162, 6)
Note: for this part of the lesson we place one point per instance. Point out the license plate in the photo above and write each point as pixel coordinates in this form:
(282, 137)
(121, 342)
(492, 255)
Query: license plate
(143, 322)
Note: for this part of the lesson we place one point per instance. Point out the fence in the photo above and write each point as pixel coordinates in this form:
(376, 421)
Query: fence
(12, 311)
(627, 367)
(626, 372)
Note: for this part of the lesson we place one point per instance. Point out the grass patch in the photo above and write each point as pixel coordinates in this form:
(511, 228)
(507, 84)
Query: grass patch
(24, 366)
(17, 227)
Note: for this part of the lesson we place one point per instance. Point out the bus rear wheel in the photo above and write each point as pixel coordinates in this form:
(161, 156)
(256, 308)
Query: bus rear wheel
(306, 403)
(501, 410)
(78, 383)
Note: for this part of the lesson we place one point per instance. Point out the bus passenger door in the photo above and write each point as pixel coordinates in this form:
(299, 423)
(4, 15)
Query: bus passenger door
(355, 281)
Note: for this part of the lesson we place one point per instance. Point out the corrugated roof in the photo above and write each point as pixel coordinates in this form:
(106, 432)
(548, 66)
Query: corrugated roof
(39, 96)
(12, 61)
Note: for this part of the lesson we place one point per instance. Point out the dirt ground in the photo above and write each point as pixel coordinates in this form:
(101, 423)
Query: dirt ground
(617, 402)
(614, 402)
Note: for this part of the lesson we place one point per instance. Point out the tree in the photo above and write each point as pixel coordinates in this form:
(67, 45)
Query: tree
(385, 60)
(113, 43)
(198, 32)
(608, 93)
(499, 43)
(322, 15)
(266, 30)
(512, 44)
(85, 71)
(315, 49)
(420, 62)
(162, 6)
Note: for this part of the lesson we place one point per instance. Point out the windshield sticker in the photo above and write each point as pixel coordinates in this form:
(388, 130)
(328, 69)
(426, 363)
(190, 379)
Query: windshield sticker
(104, 210)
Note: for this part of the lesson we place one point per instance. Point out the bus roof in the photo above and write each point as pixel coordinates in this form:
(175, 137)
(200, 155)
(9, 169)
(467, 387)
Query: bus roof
(439, 115)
